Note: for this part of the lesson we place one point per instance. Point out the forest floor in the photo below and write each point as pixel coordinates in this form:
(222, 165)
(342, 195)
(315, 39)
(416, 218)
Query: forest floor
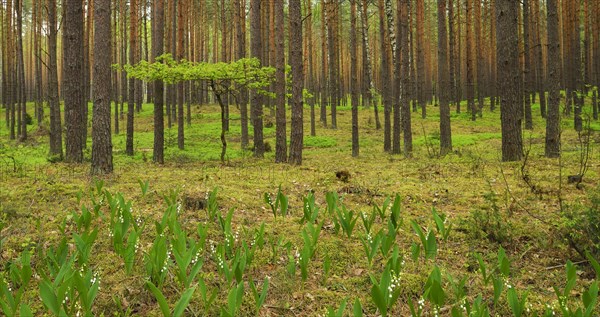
(527, 208)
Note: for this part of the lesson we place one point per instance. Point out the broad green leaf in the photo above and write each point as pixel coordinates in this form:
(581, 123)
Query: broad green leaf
(183, 302)
(160, 298)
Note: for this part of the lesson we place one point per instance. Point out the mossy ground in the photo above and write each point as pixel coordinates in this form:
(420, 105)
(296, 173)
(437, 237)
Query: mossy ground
(37, 195)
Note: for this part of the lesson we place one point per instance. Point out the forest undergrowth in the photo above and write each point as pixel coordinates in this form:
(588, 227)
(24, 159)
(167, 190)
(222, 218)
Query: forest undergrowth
(459, 235)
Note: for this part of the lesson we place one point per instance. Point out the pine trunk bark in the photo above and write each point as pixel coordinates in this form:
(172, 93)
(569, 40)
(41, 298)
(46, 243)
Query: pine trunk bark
(280, 91)
(256, 103)
(158, 23)
(73, 77)
(354, 78)
(102, 162)
(297, 128)
(507, 47)
(554, 68)
(53, 101)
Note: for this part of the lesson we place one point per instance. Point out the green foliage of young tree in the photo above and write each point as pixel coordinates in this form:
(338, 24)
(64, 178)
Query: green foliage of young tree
(222, 78)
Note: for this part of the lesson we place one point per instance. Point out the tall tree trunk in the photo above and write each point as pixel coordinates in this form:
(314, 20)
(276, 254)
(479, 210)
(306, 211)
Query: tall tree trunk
(469, 59)
(256, 103)
(279, 85)
(158, 23)
(22, 98)
(368, 68)
(324, 93)
(527, 66)
(124, 82)
(240, 12)
(405, 96)
(73, 72)
(87, 60)
(540, 76)
(310, 79)
(444, 86)
(102, 162)
(53, 101)
(479, 51)
(451, 56)
(421, 57)
(398, 87)
(554, 67)
(385, 78)
(297, 128)
(115, 73)
(180, 55)
(332, 51)
(39, 90)
(354, 78)
(507, 47)
(133, 33)
(575, 68)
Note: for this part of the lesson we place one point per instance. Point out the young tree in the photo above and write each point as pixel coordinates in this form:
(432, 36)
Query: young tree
(507, 48)
(158, 22)
(73, 76)
(554, 67)
(297, 128)
(102, 162)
